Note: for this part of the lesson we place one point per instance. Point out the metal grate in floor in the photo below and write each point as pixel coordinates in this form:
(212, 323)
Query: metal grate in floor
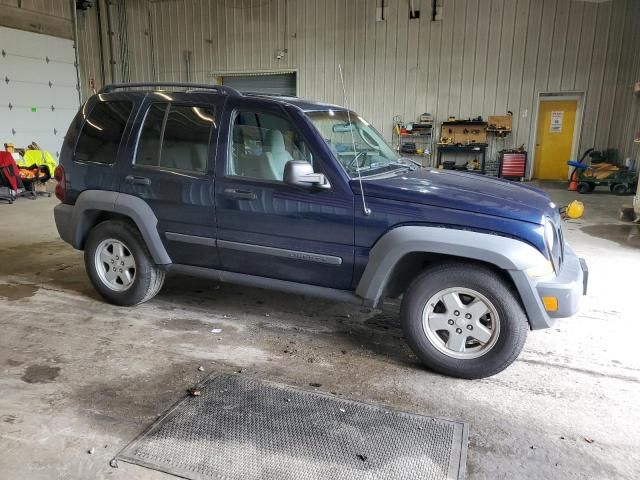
(245, 429)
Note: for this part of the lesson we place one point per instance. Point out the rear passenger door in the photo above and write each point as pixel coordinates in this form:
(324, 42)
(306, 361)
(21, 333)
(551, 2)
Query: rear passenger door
(172, 148)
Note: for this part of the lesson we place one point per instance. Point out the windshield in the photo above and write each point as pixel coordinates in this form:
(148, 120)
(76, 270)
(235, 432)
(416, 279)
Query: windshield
(372, 155)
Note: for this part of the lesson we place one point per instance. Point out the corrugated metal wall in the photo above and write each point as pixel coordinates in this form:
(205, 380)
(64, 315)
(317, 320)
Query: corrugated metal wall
(47, 17)
(56, 8)
(105, 57)
(626, 106)
(89, 50)
(485, 57)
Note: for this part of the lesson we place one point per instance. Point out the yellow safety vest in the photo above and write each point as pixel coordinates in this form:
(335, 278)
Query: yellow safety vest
(38, 157)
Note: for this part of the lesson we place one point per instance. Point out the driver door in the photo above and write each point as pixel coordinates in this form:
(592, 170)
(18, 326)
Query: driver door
(269, 228)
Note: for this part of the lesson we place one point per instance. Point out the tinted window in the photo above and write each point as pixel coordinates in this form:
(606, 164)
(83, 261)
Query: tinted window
(262, 144)
(186, 138)
(148, 152)
(185, 145)
(102, 131)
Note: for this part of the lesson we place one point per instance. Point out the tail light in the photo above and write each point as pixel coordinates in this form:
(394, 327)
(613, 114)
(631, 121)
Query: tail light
(61, 186)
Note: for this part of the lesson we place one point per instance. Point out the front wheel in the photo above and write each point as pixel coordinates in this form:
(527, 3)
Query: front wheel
(463, 321)
(119, 264)
(584, 187)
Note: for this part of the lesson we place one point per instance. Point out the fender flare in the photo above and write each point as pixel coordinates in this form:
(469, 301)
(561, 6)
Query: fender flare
(91, 203)
(505, 253)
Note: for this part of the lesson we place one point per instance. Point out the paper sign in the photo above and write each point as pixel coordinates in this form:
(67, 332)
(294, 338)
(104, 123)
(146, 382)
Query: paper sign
(556, 121)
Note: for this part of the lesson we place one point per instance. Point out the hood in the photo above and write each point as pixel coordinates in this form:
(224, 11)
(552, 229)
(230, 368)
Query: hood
(463, 191)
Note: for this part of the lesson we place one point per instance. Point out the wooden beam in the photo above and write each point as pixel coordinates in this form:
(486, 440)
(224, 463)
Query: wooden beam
(32, 21)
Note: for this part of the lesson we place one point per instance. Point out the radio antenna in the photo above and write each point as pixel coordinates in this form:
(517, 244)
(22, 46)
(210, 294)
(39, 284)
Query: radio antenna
(365, 209)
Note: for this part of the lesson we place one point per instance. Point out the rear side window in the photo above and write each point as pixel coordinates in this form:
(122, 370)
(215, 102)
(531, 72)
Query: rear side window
(176, 137)
(148, 152)
(102, 131)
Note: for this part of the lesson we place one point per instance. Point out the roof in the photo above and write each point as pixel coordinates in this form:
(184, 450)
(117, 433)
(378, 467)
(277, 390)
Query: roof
(302, 103)
(151, 86)
(305, 105)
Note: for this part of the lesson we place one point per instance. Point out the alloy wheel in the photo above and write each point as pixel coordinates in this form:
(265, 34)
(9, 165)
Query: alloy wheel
(461, 323)
(115, 265)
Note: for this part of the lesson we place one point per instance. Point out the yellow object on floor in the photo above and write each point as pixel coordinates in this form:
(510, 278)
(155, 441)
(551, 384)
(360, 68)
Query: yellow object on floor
(575, 209)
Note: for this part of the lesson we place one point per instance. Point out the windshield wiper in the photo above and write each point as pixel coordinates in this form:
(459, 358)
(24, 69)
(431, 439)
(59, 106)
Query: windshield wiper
(408, 162)
(384, 169)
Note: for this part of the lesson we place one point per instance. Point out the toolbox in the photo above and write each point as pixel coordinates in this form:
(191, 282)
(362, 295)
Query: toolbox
(513, 165)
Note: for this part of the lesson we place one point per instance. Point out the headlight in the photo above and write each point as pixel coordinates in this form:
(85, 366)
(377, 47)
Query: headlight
(545, 269)
(549, 235)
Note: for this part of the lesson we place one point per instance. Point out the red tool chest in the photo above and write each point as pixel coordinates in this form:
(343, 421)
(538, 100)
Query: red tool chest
(513, 165)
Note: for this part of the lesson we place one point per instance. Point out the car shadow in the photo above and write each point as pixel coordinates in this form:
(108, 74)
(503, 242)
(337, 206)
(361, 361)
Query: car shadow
(350, 327)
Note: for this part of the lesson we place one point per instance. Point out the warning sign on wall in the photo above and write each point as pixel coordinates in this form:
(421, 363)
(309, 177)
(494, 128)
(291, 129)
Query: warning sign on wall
(556, 121)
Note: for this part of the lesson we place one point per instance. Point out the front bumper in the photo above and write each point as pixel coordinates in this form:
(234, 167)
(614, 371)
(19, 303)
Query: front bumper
(567, 287)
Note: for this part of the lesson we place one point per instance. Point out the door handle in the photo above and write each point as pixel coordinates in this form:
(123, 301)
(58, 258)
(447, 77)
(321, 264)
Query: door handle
(239, 194)
(137, 180)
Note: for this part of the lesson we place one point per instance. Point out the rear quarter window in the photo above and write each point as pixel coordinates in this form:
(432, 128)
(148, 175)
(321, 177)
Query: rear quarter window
(102, 131)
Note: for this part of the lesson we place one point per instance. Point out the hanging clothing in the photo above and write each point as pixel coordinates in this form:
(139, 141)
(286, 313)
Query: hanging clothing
(9, 170)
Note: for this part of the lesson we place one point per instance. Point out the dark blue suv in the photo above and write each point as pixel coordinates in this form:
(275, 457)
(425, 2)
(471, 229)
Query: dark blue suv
(282, 193)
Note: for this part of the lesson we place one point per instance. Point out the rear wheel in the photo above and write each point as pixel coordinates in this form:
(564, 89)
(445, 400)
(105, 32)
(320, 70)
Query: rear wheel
(620, 189)
(119, 264)
(463, 321)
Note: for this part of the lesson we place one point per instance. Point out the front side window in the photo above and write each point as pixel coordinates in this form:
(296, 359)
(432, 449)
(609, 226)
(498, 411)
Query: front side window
(102, 131)
(175, 137)
(355, 143)
(262, 144)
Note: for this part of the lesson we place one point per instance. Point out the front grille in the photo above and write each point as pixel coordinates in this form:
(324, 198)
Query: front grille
(561, 247)
(557, 253)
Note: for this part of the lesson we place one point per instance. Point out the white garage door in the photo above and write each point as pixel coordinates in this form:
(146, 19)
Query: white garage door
(38, 95)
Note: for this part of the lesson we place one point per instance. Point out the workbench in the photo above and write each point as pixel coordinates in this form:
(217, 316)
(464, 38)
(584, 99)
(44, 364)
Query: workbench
(471, 148)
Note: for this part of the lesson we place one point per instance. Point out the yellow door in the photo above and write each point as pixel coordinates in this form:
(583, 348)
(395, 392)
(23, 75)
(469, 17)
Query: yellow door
(556, 121)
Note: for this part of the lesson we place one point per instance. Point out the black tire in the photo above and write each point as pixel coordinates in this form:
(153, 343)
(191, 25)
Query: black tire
(148, 279)
(584, 187)
(513, 325)
(620, 189)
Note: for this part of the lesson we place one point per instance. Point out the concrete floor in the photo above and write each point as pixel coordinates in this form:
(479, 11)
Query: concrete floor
(77, 373)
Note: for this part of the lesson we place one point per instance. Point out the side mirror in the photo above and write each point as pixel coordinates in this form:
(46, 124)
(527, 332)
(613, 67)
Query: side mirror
(301, 174)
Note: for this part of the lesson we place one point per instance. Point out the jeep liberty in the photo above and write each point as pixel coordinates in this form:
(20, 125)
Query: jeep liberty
(282, 193)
